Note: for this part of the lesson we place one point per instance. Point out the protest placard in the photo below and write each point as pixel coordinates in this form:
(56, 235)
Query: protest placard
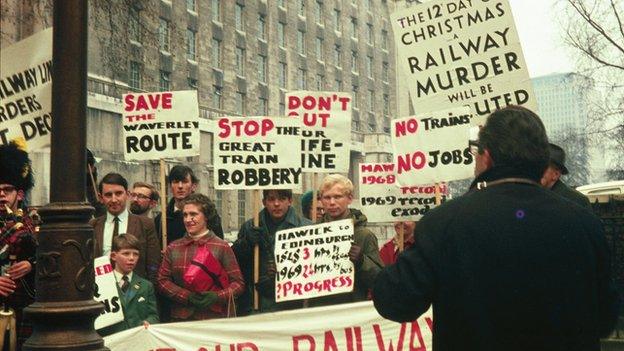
(345, 327)
(160, 125)
(432, 147)
(325, 136)
(256, 153)
(462, 52)
(26, 90)
(383, 200)
(313, 261)
(106, 293)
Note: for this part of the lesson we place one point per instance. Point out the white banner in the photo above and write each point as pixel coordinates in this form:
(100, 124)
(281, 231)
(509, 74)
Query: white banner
(26, 90)
(432, 147)
(106, 293)
(346, 327)
(458, 52)
(383, 200)
(313, 261)
(325, 118)
(161, 125)
(256, 153)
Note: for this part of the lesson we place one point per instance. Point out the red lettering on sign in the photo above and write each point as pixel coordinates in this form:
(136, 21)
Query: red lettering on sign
(302, 338)
(147, 101)
(380, 340)
(403, 127)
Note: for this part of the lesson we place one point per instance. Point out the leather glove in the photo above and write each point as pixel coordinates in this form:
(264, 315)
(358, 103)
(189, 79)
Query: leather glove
(257, 236)
(355, 254)
(203, 300)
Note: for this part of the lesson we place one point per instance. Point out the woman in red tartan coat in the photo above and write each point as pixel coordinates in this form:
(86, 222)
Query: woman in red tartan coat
(199, 272)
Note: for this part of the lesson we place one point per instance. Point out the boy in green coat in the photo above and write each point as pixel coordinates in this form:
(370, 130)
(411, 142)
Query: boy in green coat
(136, 294)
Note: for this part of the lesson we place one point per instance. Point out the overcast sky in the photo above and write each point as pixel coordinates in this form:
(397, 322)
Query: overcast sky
(544, 51)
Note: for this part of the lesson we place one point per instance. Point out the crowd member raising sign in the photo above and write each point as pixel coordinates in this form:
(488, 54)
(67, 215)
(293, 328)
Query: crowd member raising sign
(336, 195)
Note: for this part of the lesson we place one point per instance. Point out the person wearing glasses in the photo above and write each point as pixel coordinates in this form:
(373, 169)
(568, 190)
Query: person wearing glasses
(509, 265)
(336, 195)
(143, 198)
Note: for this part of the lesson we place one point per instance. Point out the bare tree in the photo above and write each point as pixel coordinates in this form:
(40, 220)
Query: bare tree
(594, 30)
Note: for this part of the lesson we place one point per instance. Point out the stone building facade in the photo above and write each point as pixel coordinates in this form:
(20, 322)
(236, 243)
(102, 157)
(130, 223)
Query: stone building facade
(242, 56)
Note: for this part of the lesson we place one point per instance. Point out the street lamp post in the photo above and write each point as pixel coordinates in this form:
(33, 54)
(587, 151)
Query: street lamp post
(64, 310)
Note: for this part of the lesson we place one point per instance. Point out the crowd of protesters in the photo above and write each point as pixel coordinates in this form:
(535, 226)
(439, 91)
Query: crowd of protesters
(518, 262)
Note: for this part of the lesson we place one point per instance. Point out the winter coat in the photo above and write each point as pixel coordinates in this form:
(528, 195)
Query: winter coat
(510, 266)
(243, 250)
(561, 189)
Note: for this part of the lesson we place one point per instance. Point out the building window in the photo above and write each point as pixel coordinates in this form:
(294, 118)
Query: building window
(135, 75)
(283, 74)
(369, 34)
(216, 10)
(261, 26)
(282, 108)
(240, 103)
(369, 66)
(384, 71)
(216, 53)
(355, 125)
(368, 4)
(371, 100)
(386, 105)
(219, 200)
(337, 27)
(281, 3)
(192, 83)
(319, 49)
(163, 35)
(217, 92)
(337, 84)
(238, 15)
(190, 5)
(354, 61)
(240, 61)
(356, 103)
(372, 123)
(302, 8)
(301, 42)
(301, 79)
(241, 207)
(134, 27)
(337, 55)
(263, 107)
(384, 39)
(319, 12)
(320, 82)
(262, 64)
(354, 27)
(190, 44)
(281, 37)
(165, 79)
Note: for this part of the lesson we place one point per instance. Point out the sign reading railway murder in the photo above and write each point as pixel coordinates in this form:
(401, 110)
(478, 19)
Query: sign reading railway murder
(160, 125)
(256, 153)
(432, 147)
(383, 200)
(462, 52)
(313, 261)
(26, 90)
(326, 121)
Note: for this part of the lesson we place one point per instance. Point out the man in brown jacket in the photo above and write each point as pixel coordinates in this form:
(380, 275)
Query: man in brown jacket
(118, 220)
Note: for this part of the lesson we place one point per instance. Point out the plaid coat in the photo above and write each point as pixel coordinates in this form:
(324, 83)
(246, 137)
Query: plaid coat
(177, 259)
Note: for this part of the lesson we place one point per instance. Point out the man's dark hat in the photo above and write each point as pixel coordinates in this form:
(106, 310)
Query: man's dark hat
(557, 156)
(15, 167)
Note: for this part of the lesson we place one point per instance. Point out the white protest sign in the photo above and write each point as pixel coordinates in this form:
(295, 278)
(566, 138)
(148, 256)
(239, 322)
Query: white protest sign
(326, 124)
(256, 153)
(106, 293)
(313, 261)
(345, 327)
(432, 147)
(383, 200)
(26, 90)
(161, 125)
(462, 52)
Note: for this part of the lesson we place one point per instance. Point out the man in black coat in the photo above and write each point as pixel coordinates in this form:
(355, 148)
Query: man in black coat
(551, 178)
(509, 265)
